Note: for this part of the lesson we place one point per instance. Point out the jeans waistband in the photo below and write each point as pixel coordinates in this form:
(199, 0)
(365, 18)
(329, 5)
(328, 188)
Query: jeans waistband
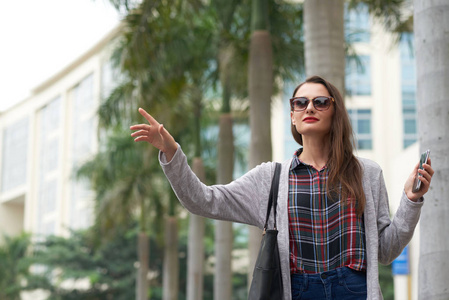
(333, 275)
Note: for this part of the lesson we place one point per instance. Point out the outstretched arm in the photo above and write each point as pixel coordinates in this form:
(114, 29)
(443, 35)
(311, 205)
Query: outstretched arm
(155, 134)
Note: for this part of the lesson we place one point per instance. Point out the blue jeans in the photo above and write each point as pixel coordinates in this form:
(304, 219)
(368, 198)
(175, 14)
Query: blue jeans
(341, 283)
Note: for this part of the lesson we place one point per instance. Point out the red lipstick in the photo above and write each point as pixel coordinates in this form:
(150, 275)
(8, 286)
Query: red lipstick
(310, 120)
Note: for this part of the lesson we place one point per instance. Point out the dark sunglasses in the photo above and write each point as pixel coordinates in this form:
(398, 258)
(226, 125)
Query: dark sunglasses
(320, 103)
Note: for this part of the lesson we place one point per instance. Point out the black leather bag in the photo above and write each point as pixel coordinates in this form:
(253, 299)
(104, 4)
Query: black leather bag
(267, 280)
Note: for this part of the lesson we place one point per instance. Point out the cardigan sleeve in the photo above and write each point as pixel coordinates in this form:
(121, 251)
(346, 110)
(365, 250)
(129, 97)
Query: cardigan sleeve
(239, 201)
(394, 234)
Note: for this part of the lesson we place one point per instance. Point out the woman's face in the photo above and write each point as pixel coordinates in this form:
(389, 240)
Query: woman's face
(312, 122)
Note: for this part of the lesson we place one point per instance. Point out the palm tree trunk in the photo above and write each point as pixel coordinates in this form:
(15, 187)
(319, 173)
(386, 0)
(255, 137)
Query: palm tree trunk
(223, 229)
(195, 251)
(170, 279)
(142, 271)
(143, 254)
(432, 61)
(324, 40)
(260, 81)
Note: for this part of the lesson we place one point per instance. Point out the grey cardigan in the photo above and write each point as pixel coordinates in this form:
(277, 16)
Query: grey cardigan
(245, 201)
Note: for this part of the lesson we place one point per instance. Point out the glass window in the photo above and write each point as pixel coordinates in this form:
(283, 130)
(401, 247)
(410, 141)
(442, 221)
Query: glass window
(47, 196)
(83, 140)
(357, 24)
(361, 124)
(83, 97)
(408, 90)
(364, 126)
(110, 76)
(14, 158)
(358, 76)
(409, 126)
(48, 162)
(46, 228)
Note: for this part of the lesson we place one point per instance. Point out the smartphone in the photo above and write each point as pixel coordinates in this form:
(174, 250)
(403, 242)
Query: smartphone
(423, 160)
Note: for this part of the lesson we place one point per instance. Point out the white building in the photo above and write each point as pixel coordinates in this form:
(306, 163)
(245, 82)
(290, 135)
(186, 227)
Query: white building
(43, 138)
(46, 135)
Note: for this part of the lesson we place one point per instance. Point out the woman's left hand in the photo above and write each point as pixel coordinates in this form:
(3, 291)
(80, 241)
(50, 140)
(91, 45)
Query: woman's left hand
(426, 177)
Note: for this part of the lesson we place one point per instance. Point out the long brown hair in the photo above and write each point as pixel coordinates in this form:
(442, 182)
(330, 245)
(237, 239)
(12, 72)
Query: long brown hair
(344, 167)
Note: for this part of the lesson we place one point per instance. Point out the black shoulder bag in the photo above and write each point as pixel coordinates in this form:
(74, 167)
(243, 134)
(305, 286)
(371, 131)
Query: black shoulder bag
(267, 280)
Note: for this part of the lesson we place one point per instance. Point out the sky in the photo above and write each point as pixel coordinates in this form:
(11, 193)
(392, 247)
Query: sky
(41, 37)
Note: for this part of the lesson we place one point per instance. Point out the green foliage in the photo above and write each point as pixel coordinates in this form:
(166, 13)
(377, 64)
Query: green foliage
(126, 184)
(89, 270)
(13, 265)
(386, 281)
(395, 15)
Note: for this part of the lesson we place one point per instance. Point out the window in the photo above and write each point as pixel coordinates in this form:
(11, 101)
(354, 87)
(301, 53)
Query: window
(14, 160)
(357, 24)
(49, 141)
(361, 124)
(83, 141)
(110, 76)
(47, 196)
(408, 90)
(48, 164)
(358, 76)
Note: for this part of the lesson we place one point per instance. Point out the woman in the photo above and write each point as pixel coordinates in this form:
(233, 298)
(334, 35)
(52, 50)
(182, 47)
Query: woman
(333, 213)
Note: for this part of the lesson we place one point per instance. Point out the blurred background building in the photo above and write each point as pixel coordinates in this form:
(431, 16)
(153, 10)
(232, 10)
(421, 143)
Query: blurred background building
(45, 136)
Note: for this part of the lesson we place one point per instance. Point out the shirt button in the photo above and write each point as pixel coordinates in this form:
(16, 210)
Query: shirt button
(323, 276)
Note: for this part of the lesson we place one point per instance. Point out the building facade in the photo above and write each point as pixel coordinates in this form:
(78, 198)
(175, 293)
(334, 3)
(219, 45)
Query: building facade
(43, 139)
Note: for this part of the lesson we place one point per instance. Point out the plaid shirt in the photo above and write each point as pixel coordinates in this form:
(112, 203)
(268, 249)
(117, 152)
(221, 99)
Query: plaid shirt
(324, 235)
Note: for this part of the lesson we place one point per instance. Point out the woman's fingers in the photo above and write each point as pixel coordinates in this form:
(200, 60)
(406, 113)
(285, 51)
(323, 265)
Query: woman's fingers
(142, 138)
(148, 117)
(139, 132)
(425, 174)
(155, 134)
(428, 172)
(428, 167)
(140, 127)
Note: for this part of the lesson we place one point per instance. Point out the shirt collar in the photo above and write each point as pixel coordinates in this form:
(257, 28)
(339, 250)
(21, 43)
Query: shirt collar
(297, 162)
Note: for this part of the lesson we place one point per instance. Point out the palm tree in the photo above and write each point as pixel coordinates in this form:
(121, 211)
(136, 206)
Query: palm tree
(123, 188)
(165, 50)
(432, 60)
(223, 230)
(324, 40)
(195, 252)
(273, 26)
(260, 89)
(158, 88)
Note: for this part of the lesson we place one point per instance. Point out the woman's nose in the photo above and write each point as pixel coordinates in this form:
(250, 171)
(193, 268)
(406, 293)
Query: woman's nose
(310, 107)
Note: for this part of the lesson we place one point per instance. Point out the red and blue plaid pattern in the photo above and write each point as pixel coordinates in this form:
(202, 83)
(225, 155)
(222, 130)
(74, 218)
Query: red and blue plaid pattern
(324, 233)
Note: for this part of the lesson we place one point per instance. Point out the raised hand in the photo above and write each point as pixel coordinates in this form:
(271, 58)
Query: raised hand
(426, 177)
(155, 134)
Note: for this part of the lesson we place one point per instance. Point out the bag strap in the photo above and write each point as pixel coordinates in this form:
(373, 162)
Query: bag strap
(273, 200)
